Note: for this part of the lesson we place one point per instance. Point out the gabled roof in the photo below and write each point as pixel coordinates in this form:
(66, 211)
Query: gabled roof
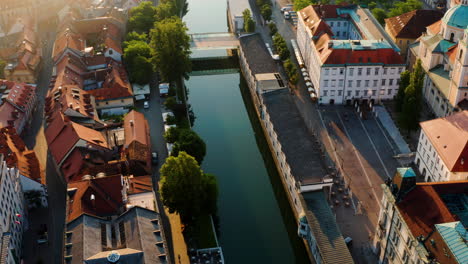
(140, 184)
(423, 206)
(449, 136)
(97, 196)
(455, 237)
(412, 24)
(62, 136)
(434, 28)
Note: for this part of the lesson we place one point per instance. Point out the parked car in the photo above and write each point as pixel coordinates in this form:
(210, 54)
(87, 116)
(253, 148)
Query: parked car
(146, 105)
(164, 89)
(287, 15)
(287, 8)
(154, 158)
(348, 241)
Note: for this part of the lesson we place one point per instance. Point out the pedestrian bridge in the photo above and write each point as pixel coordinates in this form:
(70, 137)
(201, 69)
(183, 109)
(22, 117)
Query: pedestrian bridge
(206, 41)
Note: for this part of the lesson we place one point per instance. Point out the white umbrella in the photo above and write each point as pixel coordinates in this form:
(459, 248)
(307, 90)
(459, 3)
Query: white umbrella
(309, 84)
(303, 69)
(307, 79)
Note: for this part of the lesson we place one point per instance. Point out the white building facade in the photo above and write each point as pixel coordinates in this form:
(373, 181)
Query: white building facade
(442, 149)
(344, 64)
(12, 219)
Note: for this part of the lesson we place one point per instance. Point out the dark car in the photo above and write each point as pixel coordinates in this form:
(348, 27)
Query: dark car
(154, 158)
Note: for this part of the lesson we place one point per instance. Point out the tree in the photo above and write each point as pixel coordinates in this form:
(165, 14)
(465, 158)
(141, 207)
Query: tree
(409, 117)
(137, 56)
(400, 98)
(142, 17)
(186, 189)
(380, 15)
(190, 142)
(266, 12)
(249, 23)
(165, 10)
(301, 4)
(172, 134)
(291, 70)
(170, 47)
(372, 5)
(134, 36)
(2, 69)
(181, 7)
(170, 103)
(281, 46)
(404, 7)
(273, 28)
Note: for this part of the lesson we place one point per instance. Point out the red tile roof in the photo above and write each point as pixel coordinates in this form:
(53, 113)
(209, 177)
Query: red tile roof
(349, 56)
(434, 28)
(449, 136)
(98, 197)
(423, 206)
(412, 24)
(17, 155)
(140, 184)
(137, 137)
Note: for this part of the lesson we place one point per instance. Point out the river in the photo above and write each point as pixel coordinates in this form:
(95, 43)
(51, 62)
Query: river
(256, 224)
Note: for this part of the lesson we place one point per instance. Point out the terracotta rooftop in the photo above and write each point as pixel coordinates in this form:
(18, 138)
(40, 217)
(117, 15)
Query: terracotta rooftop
(17, 155)
(449, 136)
(434, 28)
(140, 184)
(412, 24)
(97, 196)
(424, 206)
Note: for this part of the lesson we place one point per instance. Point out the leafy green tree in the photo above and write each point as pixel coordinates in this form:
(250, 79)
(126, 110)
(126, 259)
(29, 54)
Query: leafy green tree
(404, 7)
(380, 15)
(170, 46)
(249, 23)
(170, 103)
(190, 142)
(137, 56)
(165, 10)
(372, 5)
(2, 69)
(273, 28)
(186, 189)
(266, 12)
(142, 17)
(291, 70)
(400, 98)
(181, 7)
(134, 36)
(301, 4)
(281, 46)
(172, 134)
(411, 109)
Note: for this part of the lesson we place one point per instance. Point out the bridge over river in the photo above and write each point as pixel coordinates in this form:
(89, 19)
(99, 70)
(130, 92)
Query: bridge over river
(220, 40)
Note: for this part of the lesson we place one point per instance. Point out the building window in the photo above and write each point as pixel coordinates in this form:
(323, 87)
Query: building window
(331, 24)
(332, 92)
(400, 41)
(341, 71)
(398, 81)
(325, 83)
(374, 92)
(334, 71)
(337, 33)
(382, 92)
(452, 36)
(407, 42)
(340, 83)
(375, 83)
(339, 24)
(366, 83)
(358, 83)
(349, 93)
(351, 71)
(359, 71)
(350, 83)
(400, 70)
(376, 71)
(392, 71)
(340, 92)
(327, 71)
(389, 92)
(385, 71)
(383, 81)
(111, 52)
(357, 93)
(325, 93)
(390, 82)
(333, 83)
(368, 71)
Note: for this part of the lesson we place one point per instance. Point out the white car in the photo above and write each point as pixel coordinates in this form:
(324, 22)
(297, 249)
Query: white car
(146, 105)
(166, 115)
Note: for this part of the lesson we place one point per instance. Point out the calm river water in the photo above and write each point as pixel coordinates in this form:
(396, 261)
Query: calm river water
(256, 222)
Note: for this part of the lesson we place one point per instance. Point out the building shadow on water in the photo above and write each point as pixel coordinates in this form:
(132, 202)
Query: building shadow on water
(286, 211)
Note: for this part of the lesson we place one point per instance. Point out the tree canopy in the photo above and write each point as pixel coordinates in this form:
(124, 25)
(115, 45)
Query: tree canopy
(404, 82)
(137, 56)
(404, 7)
(189, 141)
(380, 15)
(165, 10)
(281, 46)
(142, 17)
(170, 46)
(249, 23)
(266, 12)
(409, 117)
(301, 4)
(186, 189)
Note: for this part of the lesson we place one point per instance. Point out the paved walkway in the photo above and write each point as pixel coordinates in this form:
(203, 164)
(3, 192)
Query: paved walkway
(178, 241)
(387, 122)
